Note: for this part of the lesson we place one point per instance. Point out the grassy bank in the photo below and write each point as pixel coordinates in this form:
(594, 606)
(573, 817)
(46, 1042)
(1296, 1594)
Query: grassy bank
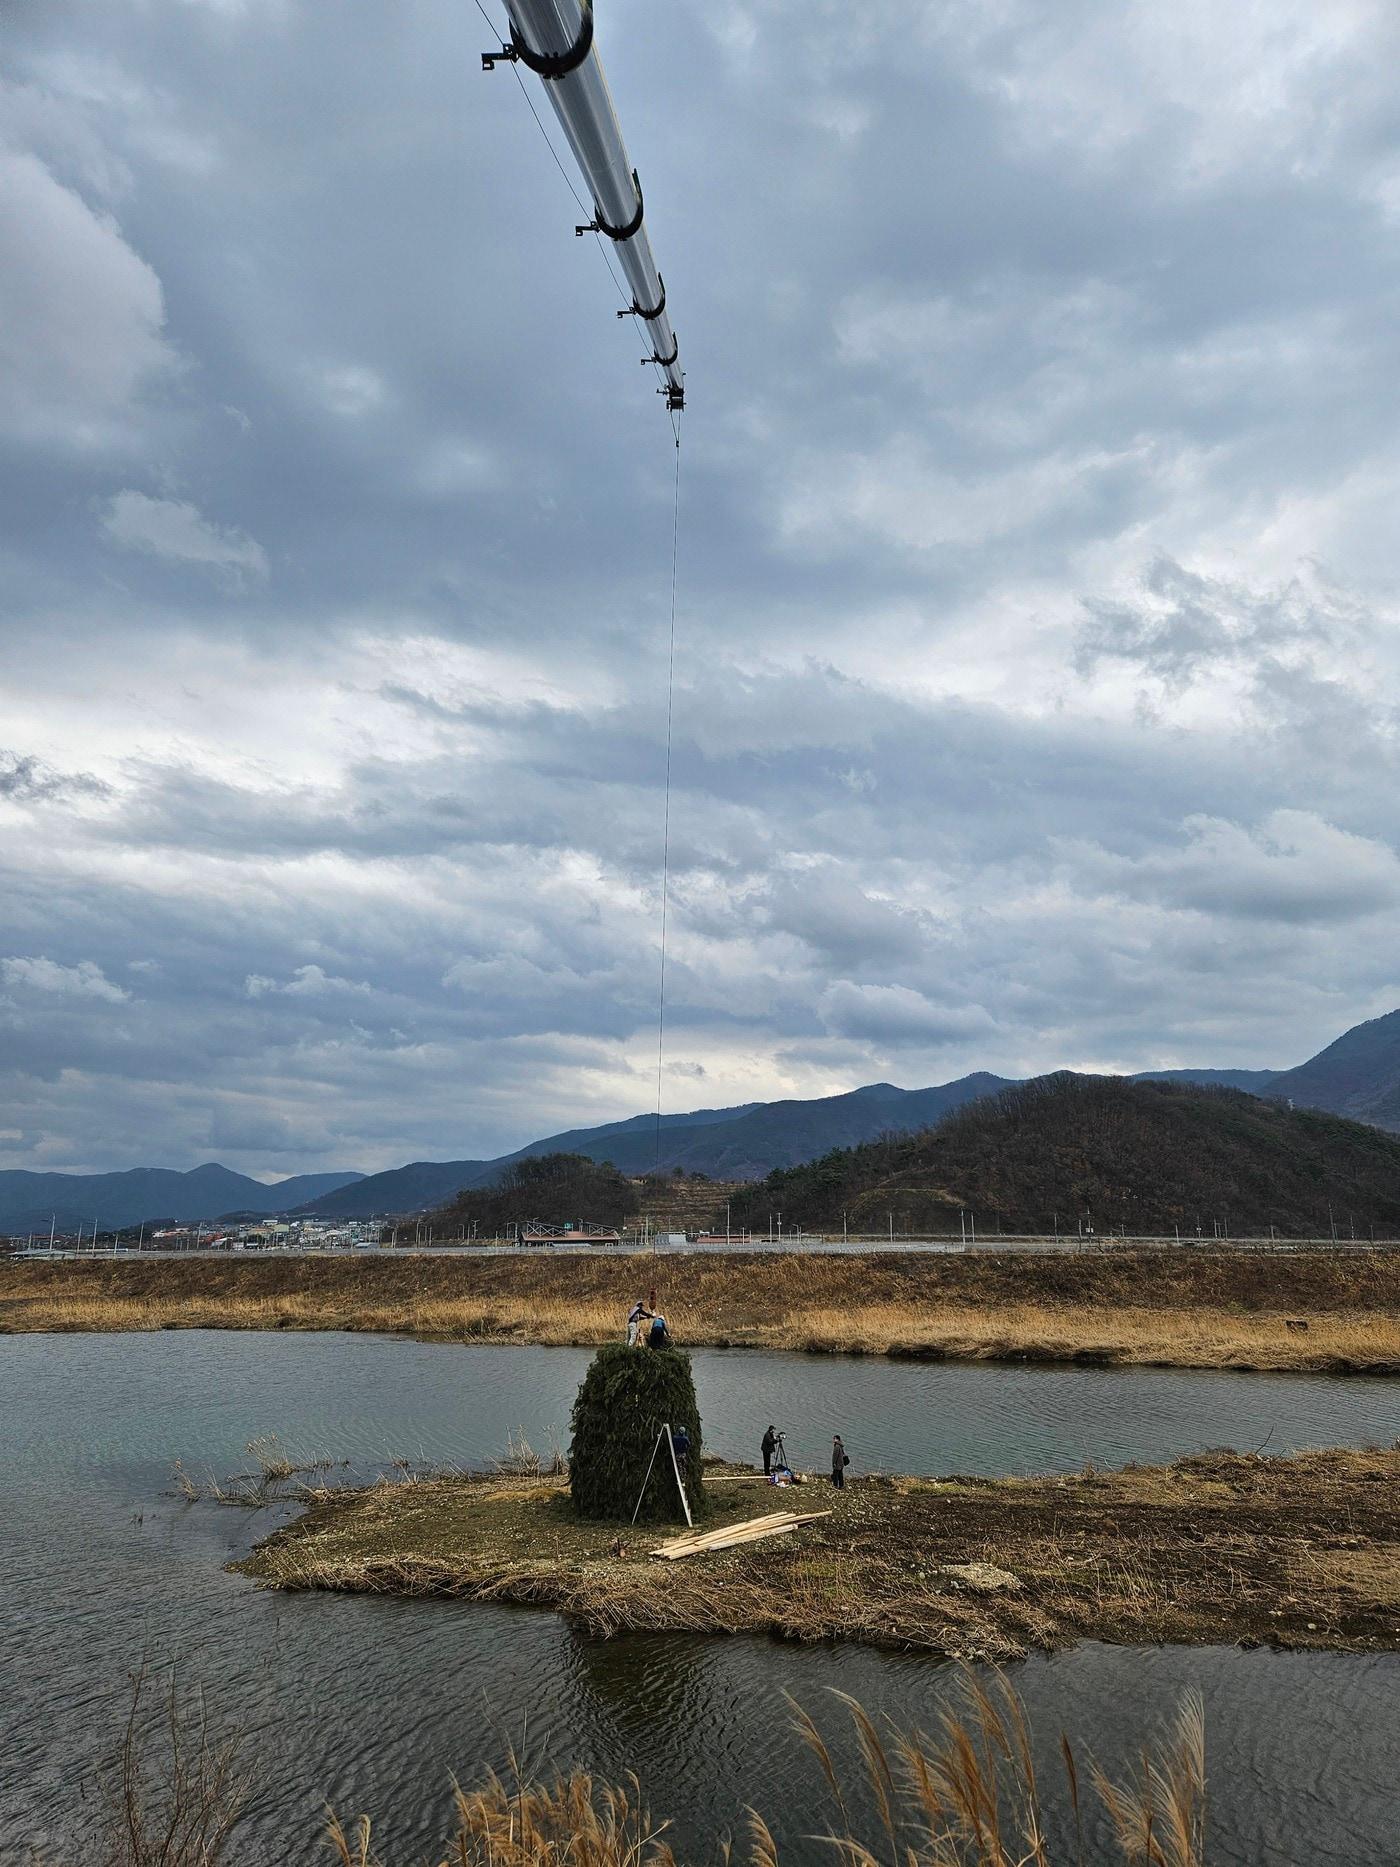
(1221, 1547)
(1192, 1308)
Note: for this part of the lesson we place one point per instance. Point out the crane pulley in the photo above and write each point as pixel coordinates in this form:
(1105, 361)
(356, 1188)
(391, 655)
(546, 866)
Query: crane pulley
(554, 39)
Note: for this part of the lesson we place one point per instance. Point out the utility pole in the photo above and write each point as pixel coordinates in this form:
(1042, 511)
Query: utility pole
(891, 1229)
(845, 1229)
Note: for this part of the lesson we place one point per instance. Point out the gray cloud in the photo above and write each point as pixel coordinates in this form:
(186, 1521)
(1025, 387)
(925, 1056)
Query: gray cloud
(1037, 655)
(25, 778)
(176, 530)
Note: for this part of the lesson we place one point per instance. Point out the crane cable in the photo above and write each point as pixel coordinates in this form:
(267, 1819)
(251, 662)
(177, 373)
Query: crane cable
(671, 647)
(666, 812)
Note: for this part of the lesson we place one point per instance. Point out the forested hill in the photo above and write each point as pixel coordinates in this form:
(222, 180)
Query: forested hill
(1140, 1156)
(1357, 1076)
(559, 1189)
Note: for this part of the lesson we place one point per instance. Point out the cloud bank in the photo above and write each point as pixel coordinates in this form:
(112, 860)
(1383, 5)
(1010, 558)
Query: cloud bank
(1037, 650)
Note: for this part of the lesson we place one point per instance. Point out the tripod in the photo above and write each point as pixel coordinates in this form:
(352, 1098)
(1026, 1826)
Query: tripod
(780, 1457)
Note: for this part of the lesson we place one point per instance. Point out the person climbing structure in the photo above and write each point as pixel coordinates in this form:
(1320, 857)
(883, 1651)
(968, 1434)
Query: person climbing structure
(636, 1316)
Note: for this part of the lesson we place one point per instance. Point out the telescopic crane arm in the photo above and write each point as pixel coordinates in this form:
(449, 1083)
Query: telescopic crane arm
(554, 38)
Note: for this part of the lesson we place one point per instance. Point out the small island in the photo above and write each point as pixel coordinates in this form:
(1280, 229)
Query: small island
(1218, 1548)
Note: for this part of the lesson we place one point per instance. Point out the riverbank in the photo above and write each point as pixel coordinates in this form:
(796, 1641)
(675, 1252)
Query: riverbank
(1304, 1311)
(1220, 1548)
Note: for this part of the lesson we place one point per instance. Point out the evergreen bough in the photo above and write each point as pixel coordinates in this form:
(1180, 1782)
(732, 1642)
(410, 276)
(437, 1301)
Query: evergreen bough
(626, 1397)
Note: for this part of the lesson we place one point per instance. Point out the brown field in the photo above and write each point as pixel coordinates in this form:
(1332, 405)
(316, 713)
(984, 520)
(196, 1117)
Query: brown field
(1219, 1547)
(1194, 1308)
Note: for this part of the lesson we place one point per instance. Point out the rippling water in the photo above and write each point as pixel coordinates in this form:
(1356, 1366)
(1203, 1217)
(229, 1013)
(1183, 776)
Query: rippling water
(372, 1704)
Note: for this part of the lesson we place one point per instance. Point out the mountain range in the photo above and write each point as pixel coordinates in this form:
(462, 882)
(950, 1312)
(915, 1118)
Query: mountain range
(30, 1202)
(1357, 1076)
(1108, 1152)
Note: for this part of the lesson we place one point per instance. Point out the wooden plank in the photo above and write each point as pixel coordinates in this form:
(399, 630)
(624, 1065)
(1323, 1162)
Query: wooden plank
(725, 1542)
(690, 1545)
(706, 1536)
(750, 1478)
(733, 1535)
(697, 1538)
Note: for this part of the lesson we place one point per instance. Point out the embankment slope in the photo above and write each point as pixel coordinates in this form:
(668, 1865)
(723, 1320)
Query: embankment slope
(1322, 1310)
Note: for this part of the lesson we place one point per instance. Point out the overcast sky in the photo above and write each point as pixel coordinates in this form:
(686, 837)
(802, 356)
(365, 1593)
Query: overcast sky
(1037, 654)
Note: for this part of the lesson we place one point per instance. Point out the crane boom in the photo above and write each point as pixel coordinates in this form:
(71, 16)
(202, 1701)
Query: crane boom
(554, 38)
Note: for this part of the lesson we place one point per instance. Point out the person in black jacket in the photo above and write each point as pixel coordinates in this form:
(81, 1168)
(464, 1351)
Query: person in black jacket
(769, 1447)
(839, 1462)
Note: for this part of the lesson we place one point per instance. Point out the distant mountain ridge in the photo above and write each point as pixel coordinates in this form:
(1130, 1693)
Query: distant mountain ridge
(1357, 1076)
(1253, 1082)
(29, 1202)
(740, 1143)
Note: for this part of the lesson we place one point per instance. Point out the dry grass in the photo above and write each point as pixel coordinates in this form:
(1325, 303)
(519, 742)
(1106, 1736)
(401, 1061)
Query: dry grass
(1295, 1552)
(1228, 1309)
(178, 1786)
(1123, 1336)
(968, 1795)
(277, 1480)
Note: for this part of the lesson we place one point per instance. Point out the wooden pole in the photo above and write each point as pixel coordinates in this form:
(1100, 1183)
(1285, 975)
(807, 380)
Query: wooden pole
(676, 1468)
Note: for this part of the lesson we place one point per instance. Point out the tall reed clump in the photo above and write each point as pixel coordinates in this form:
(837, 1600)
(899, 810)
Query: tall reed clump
(970, 1796)
(626, 1397)
(566, 1821)
(967, 1796)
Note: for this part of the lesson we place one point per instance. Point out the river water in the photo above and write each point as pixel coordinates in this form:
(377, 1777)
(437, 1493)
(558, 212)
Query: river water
(373, 1704)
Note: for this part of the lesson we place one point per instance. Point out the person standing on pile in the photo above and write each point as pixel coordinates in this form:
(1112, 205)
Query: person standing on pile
(839, 1462)
(769, 1447)
(635, 1317)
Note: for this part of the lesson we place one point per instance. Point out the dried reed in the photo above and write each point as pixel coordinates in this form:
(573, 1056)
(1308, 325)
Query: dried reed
(967, 1796)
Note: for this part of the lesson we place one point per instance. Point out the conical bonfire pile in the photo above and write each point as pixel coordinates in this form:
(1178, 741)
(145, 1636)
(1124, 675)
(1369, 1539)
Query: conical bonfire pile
(627, 1396)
